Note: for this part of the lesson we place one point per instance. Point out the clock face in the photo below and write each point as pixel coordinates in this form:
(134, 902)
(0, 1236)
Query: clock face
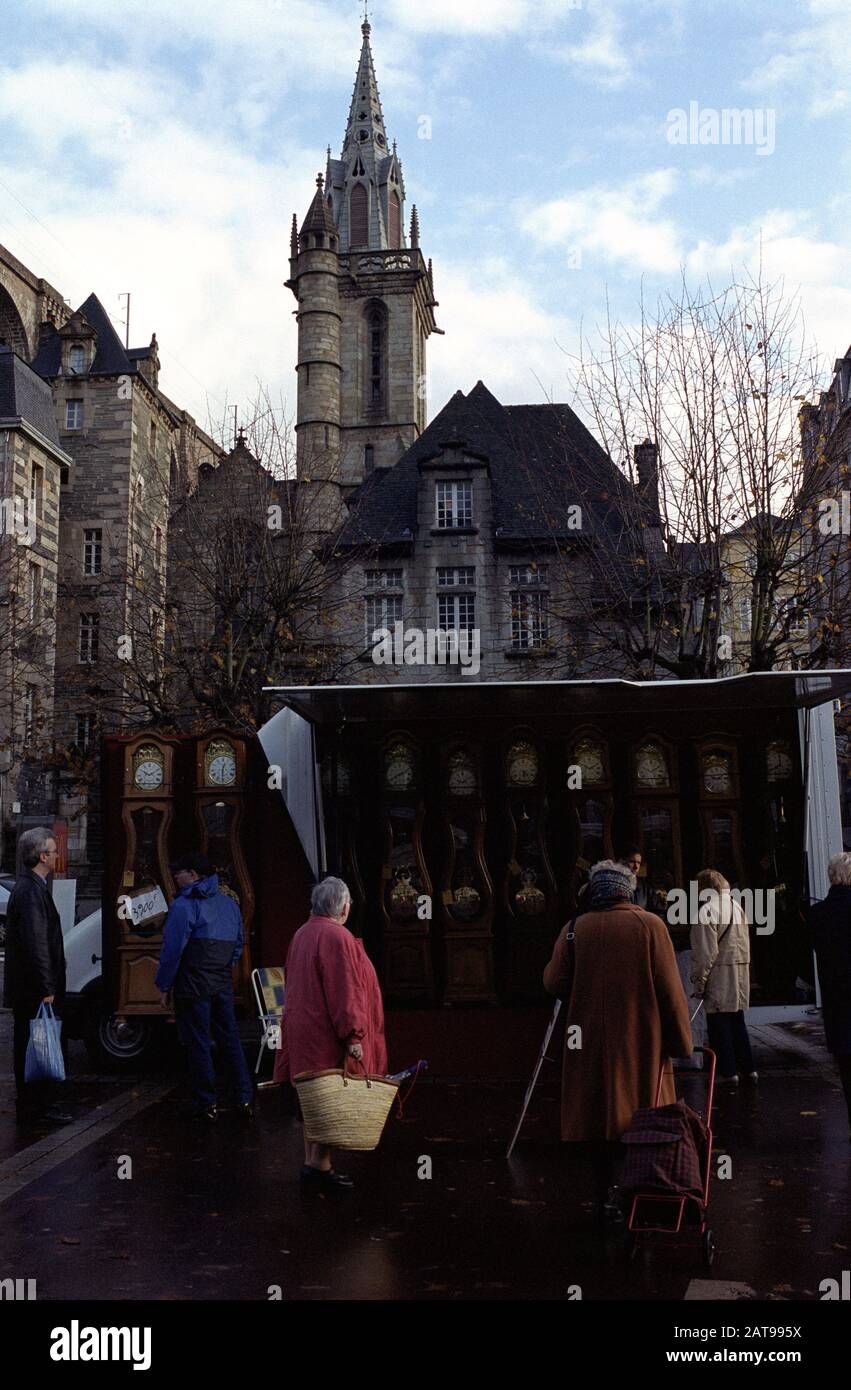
(522, 765)
(462, 775)
(148, 769)
(778, 763)
(223, 770)
(399, 768)
(716, 774)
(650, 766)
(220, 764)
(589, 757)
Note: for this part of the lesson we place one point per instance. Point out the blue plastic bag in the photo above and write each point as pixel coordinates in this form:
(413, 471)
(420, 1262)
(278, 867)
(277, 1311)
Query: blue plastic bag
(44, 1050)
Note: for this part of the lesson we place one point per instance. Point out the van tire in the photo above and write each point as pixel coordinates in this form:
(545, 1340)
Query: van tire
(115, 1044)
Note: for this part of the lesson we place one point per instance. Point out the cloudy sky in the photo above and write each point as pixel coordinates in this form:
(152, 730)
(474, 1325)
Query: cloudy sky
(161, 147)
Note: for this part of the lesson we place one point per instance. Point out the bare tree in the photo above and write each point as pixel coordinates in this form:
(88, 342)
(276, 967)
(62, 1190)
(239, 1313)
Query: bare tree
(697, 405)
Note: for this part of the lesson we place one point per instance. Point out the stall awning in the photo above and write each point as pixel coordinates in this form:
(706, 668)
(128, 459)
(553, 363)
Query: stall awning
(487, 700)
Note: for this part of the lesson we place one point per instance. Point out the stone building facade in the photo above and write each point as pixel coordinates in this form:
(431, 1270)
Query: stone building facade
(32, 462)
(111, 452)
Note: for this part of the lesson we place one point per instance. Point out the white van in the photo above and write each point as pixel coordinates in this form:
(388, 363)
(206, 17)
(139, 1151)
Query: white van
(111, 1042)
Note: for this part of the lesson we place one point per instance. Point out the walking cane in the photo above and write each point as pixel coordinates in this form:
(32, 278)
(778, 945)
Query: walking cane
(542, 1057)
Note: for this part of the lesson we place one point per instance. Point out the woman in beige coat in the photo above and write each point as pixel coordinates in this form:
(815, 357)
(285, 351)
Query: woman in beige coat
(720, 976)
(627, 1010)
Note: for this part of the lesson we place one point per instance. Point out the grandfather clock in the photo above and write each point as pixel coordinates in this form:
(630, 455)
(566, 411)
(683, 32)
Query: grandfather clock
(529, 887)
(145, 885)
(656, 811)
(720, 817)
(591, 800)
(406, 891)
(466, 899)
(340, 788)
(219, 792)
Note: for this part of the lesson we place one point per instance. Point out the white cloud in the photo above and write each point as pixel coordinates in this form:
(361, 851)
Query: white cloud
(602, 54)
(619, 224)
(496, 332)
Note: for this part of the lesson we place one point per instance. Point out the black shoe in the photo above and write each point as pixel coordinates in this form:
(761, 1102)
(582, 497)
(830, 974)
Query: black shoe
(57, 1117)
(314, 1181)
(244, 1113)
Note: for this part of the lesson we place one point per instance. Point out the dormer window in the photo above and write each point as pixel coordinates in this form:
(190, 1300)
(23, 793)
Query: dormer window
(453, 505)
(77, 359)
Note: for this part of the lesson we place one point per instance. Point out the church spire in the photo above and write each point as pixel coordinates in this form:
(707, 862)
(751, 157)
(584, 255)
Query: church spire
(365, 184)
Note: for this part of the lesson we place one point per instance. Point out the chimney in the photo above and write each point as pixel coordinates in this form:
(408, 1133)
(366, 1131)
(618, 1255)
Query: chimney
(646, 456)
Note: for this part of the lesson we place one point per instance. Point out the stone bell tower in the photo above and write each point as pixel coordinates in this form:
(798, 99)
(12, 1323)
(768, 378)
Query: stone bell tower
(365, 306)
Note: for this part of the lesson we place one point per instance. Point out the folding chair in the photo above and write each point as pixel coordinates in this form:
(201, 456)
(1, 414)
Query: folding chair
(268, 985)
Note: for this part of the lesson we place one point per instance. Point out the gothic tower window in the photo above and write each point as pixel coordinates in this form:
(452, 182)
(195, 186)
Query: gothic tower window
(368, 458)
(395, 220)
(358, 216)
(376, 333)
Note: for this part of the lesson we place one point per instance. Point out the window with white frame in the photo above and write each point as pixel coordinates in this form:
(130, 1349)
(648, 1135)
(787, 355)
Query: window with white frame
(456, 576)
(528, 576)
(382, 610)
(92, 550)
(456, 612)
(74, 415)
(453, 505)
(794, 616)
(384, 579)
(86, 727)
(384, 607)
(743, 614)
(89, 636)
(77, 359)
(529, 620)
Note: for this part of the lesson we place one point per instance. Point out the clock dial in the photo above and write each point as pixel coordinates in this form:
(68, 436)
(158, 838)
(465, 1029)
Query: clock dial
(716, 774)
(399, 768)
(589, 757)
(223, 770)
(651, 768)
(148, 769)
(522, 765)
(778, 762)
(462, 775)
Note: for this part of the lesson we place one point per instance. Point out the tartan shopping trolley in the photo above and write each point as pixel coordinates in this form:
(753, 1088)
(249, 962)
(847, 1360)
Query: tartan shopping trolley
(667, 1168)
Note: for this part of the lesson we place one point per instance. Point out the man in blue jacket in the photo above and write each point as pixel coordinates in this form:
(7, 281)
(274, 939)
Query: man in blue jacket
(202, 942)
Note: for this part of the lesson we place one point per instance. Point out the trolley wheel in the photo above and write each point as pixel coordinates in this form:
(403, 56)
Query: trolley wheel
(631, 1245)
(708, 1247)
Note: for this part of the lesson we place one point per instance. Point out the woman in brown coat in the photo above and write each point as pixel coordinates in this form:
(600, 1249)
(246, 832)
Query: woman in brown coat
(627, 1010)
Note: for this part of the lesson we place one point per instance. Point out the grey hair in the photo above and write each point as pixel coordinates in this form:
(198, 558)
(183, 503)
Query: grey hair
(33, 843)
(329, 898)
(839, 868)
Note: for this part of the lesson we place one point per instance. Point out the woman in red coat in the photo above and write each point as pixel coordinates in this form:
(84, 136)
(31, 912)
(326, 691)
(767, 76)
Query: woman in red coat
(332, 1011)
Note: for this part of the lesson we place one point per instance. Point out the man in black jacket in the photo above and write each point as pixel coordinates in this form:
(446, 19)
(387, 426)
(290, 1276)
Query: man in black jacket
(830, 924)
(35, 965)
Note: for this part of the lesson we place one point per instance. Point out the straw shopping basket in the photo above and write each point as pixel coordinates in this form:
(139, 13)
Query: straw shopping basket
(342, 1110)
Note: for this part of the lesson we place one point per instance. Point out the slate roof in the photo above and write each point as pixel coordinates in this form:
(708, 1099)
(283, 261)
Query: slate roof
(25, 395)
(110, 357)
(541, 459)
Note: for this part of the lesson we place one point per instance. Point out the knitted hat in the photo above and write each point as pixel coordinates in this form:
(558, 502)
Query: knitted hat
(611, 882)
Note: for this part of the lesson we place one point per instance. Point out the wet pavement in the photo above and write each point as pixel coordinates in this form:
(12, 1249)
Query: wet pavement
(141, 1206)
